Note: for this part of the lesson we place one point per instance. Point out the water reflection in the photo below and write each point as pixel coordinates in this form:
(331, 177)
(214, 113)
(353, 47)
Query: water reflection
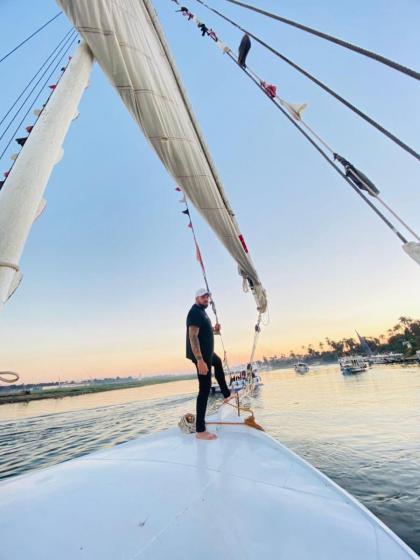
(362, 431)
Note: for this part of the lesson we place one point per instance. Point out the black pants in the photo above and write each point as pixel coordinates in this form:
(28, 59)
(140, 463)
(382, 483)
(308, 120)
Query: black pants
(204, 383)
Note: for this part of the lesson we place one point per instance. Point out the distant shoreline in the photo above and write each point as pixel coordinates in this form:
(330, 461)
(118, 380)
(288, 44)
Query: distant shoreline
(69, 391)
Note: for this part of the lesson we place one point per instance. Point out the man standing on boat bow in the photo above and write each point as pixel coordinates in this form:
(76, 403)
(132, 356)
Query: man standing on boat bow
(200, 350)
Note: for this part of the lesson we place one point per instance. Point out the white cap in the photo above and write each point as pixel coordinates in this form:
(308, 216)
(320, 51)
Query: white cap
(202, 292)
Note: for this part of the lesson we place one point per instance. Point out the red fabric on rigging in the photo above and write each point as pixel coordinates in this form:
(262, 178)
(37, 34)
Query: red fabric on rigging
(242, 240)
(269, 89)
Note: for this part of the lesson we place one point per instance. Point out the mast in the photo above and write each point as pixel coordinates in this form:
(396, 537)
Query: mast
(21, 198)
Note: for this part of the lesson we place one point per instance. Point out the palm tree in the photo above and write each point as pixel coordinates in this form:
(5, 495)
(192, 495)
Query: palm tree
(406, 321)
(350, 343)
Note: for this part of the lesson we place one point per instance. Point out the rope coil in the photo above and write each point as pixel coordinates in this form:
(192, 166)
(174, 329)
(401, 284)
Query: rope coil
(5, 376)
(187, 421)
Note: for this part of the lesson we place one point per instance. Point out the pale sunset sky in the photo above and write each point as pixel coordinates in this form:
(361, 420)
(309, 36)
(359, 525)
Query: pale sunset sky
(109, 268)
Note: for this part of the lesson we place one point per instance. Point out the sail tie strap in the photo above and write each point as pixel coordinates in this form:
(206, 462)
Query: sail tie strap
(4, 264)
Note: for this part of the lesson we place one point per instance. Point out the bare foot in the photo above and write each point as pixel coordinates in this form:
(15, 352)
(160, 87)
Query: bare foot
(205, 435)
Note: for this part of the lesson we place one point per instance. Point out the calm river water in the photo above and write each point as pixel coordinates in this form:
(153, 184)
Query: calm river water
(362, 431)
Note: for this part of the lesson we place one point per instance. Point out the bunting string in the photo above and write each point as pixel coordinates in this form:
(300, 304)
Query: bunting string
(54, 55)
(66, 46)
(44, 63)
(355, 178)
(203, 271)
(315, 80)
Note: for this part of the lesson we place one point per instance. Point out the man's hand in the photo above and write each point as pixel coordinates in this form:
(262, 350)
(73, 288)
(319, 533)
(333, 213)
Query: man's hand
(217, 328)
(202, 367)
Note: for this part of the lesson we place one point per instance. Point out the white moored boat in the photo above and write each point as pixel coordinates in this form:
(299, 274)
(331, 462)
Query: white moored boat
(169, 495)
(352, 364)
(301, 368)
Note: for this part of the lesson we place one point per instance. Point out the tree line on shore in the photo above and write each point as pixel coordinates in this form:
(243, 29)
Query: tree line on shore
(403, 337)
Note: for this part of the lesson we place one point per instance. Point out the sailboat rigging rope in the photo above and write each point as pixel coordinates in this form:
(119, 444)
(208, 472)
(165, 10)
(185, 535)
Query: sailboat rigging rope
(30, 37)
(212, 302)
(257, 331)
(59, 56)
(204, 273)
(323, 153)
(323, 86)
(270, 92)
(365, 52)
(33, 78)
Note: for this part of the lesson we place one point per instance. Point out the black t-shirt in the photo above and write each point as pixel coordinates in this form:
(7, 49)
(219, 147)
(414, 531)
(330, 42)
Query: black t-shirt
(198, 317)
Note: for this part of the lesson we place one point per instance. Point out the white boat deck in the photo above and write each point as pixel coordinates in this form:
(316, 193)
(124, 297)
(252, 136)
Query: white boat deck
(171, 497)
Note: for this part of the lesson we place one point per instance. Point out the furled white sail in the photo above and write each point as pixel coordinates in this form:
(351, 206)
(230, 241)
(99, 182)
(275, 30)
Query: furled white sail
(126, 39)
(21, 198)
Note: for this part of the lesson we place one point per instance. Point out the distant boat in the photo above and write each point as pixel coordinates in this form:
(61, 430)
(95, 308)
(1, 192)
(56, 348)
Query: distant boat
(352, 364)
(301, 367)
(364, 345)
(390, 358)
(239, 380)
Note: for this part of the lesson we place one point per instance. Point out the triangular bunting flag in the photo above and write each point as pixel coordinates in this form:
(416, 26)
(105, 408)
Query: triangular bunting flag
(37, 112)
(14, 157)
(21, 141)
(53, 86)
(29, 128)
(296, 109)
(178, 189)
(6, 174)
(190, 225)
(187, 212)
(198, 255)
(1, 184)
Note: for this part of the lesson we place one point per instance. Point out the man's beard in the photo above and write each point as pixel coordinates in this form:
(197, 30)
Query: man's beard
(205, 305)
